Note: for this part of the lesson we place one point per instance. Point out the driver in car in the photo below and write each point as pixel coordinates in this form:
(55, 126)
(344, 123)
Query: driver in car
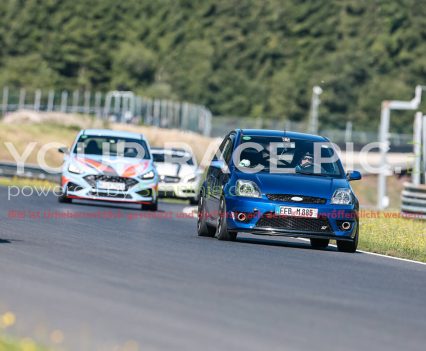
(306, 163)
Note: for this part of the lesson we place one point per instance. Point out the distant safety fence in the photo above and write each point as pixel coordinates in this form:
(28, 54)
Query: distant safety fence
(127, 107)
(119, 106)
(398, 142)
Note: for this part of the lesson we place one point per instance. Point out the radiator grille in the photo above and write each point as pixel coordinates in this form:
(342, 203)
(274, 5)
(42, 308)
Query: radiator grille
(271, 220)
(92, 179)
(111, 195)
(305, 199)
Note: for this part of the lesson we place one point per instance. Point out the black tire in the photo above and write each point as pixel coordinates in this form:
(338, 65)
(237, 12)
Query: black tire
(64, 199)
(348, 246)
(222, 232)
(203, 228)
(319, 243)
(150, 207)
(193, 201)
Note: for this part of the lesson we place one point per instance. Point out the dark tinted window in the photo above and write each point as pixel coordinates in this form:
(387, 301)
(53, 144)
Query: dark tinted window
(292, 155)
(174, 157)
(229, 146)
(111, 146)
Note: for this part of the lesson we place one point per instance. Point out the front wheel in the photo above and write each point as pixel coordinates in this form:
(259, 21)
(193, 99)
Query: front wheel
(193, 201)
(203, 228)
(319, 243)
(222, 232)
(348, 246)
(150, 207)
(63, 198)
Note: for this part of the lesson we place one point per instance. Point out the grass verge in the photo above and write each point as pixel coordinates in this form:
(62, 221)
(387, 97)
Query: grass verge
(389, 234)
(22, 182)
(26, 344)
(33, 136)
(366, 190)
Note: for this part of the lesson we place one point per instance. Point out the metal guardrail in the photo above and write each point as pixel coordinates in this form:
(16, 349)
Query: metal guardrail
(10, 170)
(413, 201)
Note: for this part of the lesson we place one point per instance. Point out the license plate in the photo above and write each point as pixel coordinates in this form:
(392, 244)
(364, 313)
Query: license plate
(111, 186)
(297, 212)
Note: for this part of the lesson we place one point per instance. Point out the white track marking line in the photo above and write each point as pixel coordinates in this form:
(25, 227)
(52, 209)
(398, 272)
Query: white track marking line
(375, 254)
(392, 257)
(193, 210)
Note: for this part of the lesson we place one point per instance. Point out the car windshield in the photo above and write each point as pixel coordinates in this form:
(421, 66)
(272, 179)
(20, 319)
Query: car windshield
(287, 155)
(173, 157)
(111, 146)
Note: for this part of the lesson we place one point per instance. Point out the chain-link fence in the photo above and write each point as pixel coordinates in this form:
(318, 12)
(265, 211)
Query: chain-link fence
(398, 142)
(127, 107)
(117, 106)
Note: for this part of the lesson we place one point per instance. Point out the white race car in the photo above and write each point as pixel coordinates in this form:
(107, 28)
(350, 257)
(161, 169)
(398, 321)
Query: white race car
(180, 176)
(109, 165)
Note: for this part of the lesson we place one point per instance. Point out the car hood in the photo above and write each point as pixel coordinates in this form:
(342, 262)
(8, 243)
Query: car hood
(175, 169)
(296, 184)
(117, 166)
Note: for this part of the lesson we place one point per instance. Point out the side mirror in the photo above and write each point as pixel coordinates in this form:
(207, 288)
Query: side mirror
(64, 150)
(218, 164)
(353, 175)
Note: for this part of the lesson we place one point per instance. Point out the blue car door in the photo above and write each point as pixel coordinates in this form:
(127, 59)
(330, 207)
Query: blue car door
(211, 179)
(220, 174)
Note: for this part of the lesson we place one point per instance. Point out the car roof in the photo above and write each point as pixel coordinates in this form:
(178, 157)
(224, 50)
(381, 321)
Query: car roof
(281, 133)
(113, 133)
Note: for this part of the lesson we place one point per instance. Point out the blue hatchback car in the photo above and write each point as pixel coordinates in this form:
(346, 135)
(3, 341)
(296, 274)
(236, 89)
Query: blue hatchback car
(283, 183)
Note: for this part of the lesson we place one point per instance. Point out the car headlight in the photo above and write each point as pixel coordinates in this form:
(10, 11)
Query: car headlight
(342, 197)
(247, 188)
(73, 168)
(147, 175)
(191, 180)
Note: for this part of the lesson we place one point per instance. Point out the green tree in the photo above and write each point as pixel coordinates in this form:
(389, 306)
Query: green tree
(238, 57)
(133, 65)
(29, 71)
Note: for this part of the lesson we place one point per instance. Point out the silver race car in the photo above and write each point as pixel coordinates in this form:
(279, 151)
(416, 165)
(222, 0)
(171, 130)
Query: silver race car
(180, 176)
(107, 165)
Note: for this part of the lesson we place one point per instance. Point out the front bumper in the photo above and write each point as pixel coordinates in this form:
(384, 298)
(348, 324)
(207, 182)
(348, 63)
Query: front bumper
(142, 192)
(178, 190)
(261, 219)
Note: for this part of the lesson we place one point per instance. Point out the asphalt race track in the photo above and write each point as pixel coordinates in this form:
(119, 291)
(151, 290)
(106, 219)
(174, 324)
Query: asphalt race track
(103, 282)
